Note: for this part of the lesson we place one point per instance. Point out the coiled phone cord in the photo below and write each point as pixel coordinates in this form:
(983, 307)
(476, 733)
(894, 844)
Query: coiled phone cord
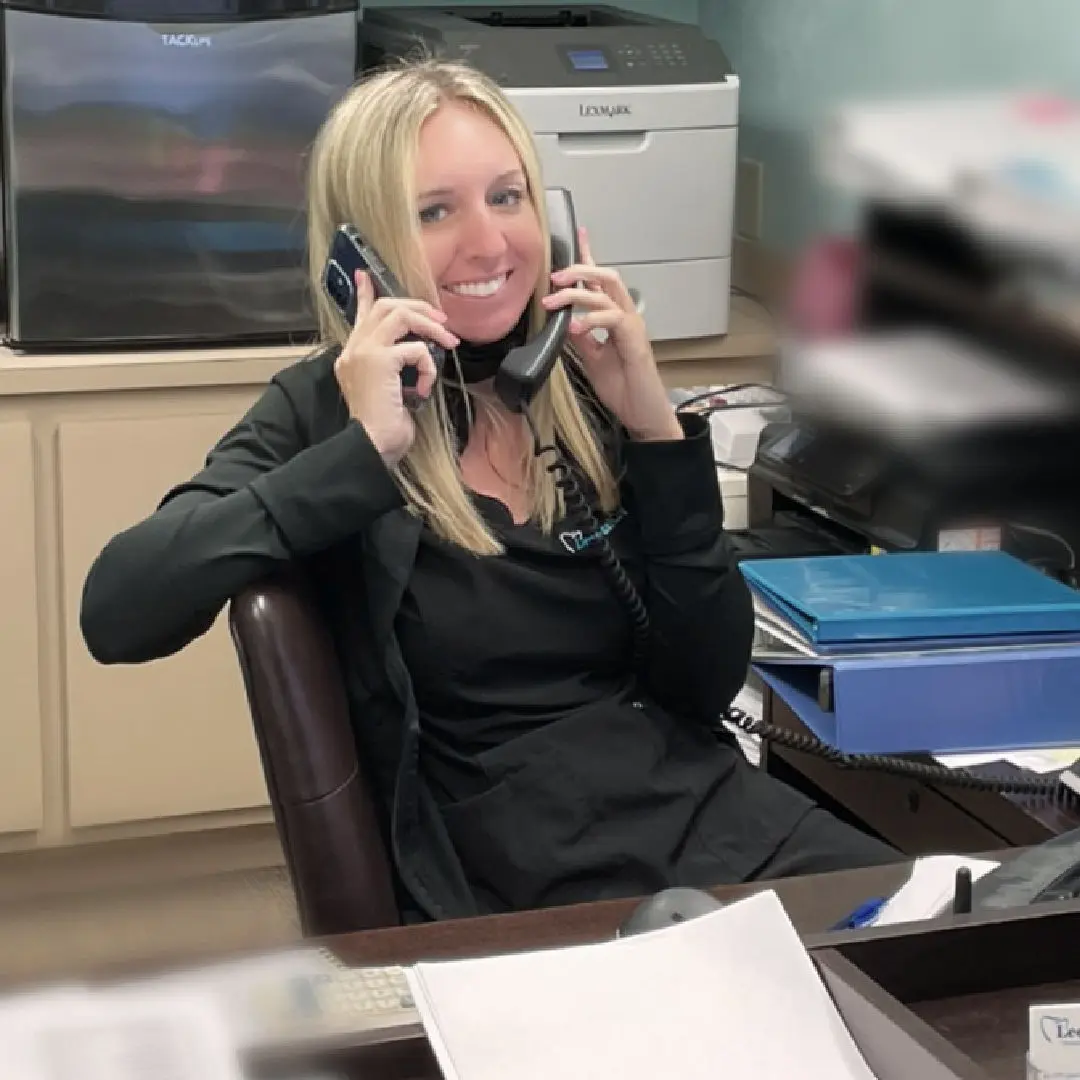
(1047, 788)
(581, 514)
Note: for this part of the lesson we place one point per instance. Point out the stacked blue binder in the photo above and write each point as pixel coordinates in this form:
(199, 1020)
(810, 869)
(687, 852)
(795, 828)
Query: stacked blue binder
(921, 652)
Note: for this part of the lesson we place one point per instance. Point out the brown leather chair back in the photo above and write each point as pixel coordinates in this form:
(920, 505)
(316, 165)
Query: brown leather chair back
(324, 809)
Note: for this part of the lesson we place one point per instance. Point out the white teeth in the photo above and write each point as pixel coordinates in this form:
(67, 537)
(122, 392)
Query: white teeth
(479, 288)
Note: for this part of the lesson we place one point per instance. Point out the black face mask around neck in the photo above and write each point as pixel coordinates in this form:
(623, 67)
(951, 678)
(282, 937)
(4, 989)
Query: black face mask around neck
(480, 362)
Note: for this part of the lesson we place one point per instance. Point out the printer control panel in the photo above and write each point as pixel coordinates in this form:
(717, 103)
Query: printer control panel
(585, 59)
(652, 55)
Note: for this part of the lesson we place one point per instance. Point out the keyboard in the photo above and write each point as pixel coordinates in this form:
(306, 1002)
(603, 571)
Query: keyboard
(339, 1007)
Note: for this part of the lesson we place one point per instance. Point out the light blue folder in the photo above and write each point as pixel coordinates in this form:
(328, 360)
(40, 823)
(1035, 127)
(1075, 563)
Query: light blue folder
(913, 596)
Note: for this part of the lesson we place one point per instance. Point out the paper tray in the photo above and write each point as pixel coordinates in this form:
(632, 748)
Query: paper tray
(957, 989)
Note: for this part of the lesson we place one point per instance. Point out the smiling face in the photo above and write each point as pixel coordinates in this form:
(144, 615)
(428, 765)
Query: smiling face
(480, 231)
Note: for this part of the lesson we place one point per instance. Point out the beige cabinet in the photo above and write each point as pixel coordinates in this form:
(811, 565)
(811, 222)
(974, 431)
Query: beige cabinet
(168, 738)
(21, 807)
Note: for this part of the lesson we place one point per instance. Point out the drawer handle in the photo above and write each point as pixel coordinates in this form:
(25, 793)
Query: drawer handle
(604, 142)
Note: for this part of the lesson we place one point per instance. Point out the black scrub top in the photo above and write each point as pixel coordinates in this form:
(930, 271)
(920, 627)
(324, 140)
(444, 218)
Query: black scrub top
(559, 780)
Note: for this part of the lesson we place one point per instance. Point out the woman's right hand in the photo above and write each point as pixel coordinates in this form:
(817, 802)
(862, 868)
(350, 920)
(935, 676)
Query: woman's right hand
(369, 367)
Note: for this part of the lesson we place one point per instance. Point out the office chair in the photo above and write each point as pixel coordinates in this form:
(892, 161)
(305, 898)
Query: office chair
(323, 807)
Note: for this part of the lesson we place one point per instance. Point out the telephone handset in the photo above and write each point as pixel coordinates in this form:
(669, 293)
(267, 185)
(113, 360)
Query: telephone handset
(527, 367)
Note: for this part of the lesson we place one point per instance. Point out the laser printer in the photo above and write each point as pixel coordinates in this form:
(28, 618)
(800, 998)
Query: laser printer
(636, 115)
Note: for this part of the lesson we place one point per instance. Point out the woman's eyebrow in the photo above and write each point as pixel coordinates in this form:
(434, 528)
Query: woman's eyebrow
(442, 192)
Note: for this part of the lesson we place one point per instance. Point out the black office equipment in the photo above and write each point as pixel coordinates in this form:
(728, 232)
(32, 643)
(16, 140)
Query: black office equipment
(1050, 871)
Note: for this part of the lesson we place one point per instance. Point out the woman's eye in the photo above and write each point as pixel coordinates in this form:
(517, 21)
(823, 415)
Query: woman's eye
(431, 214)
(509, 197)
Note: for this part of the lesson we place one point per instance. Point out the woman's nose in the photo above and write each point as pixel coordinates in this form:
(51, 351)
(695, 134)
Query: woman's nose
(484, 237)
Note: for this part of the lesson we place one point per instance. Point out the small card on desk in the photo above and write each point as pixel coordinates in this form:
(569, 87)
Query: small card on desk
(1054, 1042)
(733, 994)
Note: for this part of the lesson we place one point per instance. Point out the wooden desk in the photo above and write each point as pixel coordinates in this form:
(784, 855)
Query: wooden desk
(960, 986)
(917, 817)
(813, 903)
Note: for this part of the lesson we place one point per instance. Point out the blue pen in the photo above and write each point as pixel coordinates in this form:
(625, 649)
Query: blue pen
(863, 915)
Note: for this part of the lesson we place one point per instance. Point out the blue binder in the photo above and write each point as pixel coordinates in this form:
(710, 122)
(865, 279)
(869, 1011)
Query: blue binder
(970, 701)
(833, 599)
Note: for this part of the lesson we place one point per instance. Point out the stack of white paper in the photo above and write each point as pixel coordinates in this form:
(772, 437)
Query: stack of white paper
(731, 994)
(930, 890)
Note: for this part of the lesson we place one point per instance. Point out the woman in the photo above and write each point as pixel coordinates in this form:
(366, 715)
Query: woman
(520, 759)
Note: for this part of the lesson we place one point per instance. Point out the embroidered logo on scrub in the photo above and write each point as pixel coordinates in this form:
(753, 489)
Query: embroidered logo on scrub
(577, 540)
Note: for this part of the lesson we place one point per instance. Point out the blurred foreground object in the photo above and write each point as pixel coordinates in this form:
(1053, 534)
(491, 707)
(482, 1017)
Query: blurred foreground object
(1007, 166)
(824, 291)
(932, 363)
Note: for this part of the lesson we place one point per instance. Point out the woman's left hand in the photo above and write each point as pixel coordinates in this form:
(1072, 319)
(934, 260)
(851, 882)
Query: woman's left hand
(622, 369)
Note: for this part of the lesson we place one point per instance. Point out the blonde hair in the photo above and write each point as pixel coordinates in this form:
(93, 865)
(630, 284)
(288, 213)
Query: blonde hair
(362, 171)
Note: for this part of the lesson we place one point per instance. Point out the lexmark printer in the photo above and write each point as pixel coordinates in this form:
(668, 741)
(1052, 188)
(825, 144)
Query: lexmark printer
(636, 115)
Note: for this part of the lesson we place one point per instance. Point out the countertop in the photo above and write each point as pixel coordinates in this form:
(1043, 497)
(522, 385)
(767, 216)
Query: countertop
(750, 335)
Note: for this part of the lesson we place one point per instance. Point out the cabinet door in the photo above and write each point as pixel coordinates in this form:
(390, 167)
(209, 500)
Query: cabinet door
(168, 738)
(20, 700)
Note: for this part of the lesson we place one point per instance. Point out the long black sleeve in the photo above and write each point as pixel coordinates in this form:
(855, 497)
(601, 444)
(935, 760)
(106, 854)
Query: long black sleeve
(265, 496)
(700, 611)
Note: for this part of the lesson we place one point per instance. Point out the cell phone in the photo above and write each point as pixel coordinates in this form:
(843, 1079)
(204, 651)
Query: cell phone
(349, 253)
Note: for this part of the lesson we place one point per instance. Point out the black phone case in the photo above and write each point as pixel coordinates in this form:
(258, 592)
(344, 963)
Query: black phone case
(348, 254)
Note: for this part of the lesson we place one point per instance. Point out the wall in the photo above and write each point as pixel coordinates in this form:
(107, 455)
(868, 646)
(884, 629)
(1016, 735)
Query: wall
(796, 58)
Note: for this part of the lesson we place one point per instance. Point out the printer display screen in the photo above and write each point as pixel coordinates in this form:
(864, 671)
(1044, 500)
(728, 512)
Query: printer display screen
(587, 59)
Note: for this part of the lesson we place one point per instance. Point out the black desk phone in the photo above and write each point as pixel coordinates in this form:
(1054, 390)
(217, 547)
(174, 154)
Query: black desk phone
(1050, 871)
(525, 368)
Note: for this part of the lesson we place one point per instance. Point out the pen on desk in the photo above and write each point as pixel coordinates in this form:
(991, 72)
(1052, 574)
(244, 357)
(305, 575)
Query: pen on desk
(961, 904)
(863, 915)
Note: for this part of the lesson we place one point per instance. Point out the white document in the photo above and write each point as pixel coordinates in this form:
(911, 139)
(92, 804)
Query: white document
(1043, 761)
(731, 994)
(930, 889)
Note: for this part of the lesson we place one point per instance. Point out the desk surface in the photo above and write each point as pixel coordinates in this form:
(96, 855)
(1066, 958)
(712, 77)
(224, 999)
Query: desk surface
(814, 903)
